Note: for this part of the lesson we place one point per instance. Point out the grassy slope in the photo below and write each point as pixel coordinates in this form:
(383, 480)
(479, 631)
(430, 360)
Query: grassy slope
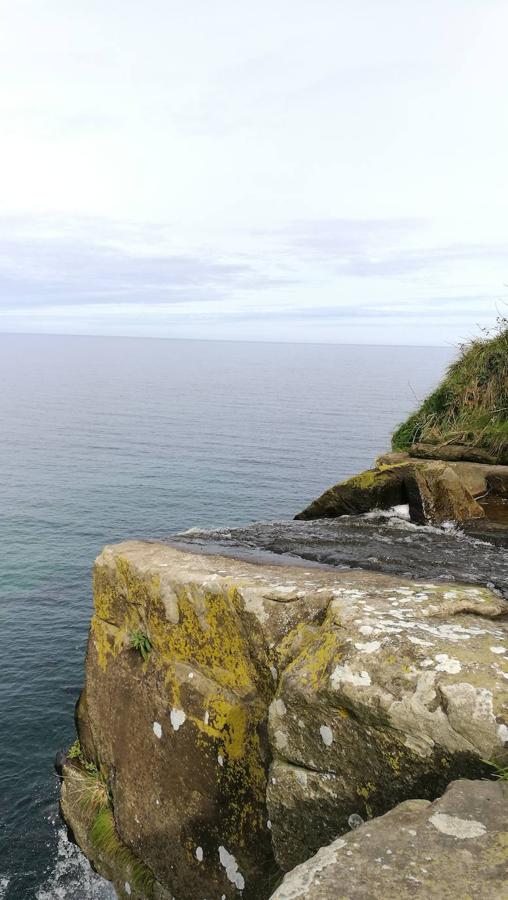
(471, 404)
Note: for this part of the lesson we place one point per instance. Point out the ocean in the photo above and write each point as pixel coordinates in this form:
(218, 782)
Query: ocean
(111, 438)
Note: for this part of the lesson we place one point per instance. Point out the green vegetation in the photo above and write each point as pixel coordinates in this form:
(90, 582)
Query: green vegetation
(471, 404)
(104, 836)
(74, 751)
(94, 793)
(94, 797)
(141, 642)
(499, 771)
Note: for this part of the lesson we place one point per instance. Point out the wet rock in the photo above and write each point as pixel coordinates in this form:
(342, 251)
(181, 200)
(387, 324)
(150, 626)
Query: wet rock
(59, 761)
(434, 491)
(437, 494)
(454, 847)
(373, 489)
(497, 481)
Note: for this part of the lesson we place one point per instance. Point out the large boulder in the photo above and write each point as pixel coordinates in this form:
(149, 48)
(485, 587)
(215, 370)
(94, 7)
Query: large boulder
(396, 693)
(434, 492)
(379, 488)
(456, 847)
(236, 715)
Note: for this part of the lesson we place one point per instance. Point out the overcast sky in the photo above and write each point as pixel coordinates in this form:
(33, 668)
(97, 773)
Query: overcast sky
(308, 170)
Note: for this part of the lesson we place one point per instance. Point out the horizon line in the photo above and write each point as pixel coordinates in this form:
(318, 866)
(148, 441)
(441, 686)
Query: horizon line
(143, 337)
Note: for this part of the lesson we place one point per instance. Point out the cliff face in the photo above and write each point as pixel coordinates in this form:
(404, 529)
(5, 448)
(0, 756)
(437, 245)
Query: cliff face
(236, 716)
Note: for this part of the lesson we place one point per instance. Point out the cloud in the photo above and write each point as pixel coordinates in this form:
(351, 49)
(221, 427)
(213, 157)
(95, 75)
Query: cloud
(63, 269)
(369, 248)
(306, 281)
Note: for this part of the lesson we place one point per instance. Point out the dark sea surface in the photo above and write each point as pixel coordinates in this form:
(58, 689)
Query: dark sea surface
(104, 439)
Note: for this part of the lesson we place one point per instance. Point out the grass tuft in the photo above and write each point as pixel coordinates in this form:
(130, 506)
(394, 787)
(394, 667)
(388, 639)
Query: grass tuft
(500, 772)
(104, 836)
(471, 405)
(142, 643)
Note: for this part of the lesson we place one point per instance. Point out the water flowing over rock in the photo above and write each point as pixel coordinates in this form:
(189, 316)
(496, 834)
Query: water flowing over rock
(435, 492)
(271, 705)
(454, 847)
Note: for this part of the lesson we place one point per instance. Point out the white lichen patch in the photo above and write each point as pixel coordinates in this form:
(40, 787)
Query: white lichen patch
(448, 664)
(326, 735)
(279, 707)
(345, 675)
(418, 641)
(369, 647)
(456, 827)
(177, 717)
(230, 864)
(157, 729)
(281, 740)
(502, 732)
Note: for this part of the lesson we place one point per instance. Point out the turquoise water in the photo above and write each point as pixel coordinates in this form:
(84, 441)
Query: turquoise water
(104, 439)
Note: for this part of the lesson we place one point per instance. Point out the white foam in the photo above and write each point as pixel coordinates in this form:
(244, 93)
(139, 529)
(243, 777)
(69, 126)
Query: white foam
(394, 512)
(72, 877)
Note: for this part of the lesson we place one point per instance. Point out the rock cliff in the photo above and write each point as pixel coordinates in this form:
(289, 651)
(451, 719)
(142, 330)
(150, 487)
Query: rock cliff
(236, 717)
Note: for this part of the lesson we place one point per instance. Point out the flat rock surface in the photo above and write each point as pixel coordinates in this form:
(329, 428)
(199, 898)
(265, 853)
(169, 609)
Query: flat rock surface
(453, 849)
(382, 542)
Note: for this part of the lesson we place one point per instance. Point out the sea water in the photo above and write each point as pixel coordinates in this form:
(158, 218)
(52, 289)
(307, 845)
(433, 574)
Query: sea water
(110, 438)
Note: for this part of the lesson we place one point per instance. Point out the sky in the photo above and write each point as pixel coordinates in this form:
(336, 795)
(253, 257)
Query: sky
(284, 170)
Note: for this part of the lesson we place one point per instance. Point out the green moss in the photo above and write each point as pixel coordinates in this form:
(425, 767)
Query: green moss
(365, 479)
(471, 405)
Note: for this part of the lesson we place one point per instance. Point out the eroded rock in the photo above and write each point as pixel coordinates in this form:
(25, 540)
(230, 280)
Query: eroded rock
(437, 494)
(434, 492)
(274, 704)
(454, 847)
(401, 690)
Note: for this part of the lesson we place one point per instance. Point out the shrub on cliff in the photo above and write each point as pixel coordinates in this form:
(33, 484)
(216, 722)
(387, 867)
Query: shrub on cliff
(470, 406)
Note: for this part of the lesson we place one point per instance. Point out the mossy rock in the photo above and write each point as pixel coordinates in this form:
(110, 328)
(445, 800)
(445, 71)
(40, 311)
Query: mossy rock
(374, 489)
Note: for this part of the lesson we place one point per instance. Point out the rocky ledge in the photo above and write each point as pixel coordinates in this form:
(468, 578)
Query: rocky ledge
(435, 491)
(237, 717)
(455, 847)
